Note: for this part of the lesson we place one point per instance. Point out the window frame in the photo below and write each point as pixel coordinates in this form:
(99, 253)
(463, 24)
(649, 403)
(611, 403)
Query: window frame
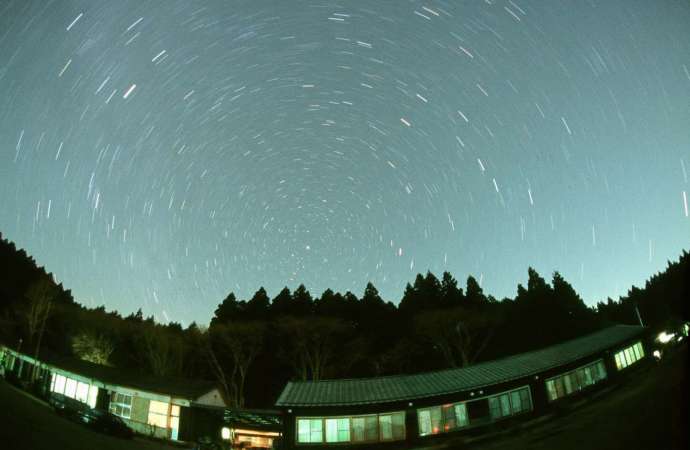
(579, 378)
(629, 355)
(393, 418)
(116, 402)
(158, 415)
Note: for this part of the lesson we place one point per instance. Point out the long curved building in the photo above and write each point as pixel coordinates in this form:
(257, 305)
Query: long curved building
(413, 408)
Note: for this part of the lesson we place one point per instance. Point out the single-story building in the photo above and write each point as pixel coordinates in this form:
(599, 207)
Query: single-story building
(414, 408)
(155, 406)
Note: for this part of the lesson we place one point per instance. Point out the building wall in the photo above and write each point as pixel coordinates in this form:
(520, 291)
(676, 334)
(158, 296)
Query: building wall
(535, 382)
(139, 419)
(211, 398)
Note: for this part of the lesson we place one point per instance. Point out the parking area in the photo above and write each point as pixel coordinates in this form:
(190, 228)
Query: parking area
(28, 423)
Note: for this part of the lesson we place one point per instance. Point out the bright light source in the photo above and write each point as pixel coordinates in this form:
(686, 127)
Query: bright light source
(225, 433)
(657, 354)
(665, 338)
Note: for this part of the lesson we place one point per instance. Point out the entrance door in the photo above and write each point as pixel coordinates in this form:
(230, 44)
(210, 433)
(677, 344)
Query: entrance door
(174, 421)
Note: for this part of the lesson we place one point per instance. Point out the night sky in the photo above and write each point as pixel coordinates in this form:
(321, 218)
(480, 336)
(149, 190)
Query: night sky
(161, 154)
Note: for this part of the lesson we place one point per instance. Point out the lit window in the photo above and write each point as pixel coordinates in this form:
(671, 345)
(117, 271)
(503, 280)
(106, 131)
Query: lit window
(461, 415)
(640, 349)
(526, 400)
(386, 426)
(310, 430)
(629, 355)
(121, 405)
(568, 384)
(365, 428)
(158, 414)
(516, 401)
(551, 389)
(424, 419)
(59, 384)
(71, 388)
(82, 392)
(398, 425)
(93, 396)
(575, 380)
(338, 430)
(494, 408)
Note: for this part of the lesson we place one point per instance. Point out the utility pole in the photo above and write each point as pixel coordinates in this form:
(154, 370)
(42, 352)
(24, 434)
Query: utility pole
(639, 318)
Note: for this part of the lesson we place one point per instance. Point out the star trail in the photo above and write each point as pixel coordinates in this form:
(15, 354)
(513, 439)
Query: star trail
(162, 154)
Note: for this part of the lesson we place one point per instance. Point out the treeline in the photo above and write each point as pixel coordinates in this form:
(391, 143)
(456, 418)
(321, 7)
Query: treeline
(252, 347)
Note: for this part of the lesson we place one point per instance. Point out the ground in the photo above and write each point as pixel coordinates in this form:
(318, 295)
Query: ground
(28, 424)
(649, 411)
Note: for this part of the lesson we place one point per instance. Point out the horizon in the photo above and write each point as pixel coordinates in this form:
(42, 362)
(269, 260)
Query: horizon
(315, 296)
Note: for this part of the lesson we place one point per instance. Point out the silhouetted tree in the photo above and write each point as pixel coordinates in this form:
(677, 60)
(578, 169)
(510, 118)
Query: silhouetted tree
(258, 306)
(40, 295)
(460, 334)
(474, 293)
(232, 349)
(281, 302)
(228, 310)
(451, 294)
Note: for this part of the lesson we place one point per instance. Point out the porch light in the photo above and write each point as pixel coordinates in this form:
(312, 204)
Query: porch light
(665, 338)
(225, 433)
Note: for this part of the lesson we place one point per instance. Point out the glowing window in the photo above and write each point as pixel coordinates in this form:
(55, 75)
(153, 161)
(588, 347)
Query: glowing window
(575, 380)
(365, 429)
(461, 415)
(71, 388)
(551, 389)
(629, 355)
(59, 385)
(93, 396)
(338, 430)
(121, 405)
(386, 427)
(516, 401)
(398, 425)
(310, 430)
(82, 392)
(424, 419)
(158, 414)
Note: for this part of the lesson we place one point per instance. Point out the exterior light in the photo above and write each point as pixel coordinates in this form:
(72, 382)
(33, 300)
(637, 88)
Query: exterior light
(657, 354)
(481, 392)
(409, 404)
(665, 338)
(225, 433)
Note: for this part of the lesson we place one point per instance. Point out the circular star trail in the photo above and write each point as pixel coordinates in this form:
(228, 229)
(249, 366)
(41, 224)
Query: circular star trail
(161, 154)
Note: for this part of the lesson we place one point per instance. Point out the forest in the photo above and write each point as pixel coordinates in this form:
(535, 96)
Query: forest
(252, 347)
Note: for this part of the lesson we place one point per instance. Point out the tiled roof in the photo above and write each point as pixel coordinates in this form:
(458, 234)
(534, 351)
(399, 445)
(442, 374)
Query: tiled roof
(409, 387)
(167, 386)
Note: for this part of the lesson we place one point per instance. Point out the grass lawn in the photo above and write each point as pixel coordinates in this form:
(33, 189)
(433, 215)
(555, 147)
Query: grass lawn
(27, 423)
(649, 411)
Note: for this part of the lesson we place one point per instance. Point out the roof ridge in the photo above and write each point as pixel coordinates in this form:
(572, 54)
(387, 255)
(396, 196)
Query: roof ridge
(454, 369)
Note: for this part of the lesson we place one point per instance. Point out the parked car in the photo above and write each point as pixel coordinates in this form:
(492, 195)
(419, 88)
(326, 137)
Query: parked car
(66, 406)
(207, 443)
(105, 422)
(96, 419)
